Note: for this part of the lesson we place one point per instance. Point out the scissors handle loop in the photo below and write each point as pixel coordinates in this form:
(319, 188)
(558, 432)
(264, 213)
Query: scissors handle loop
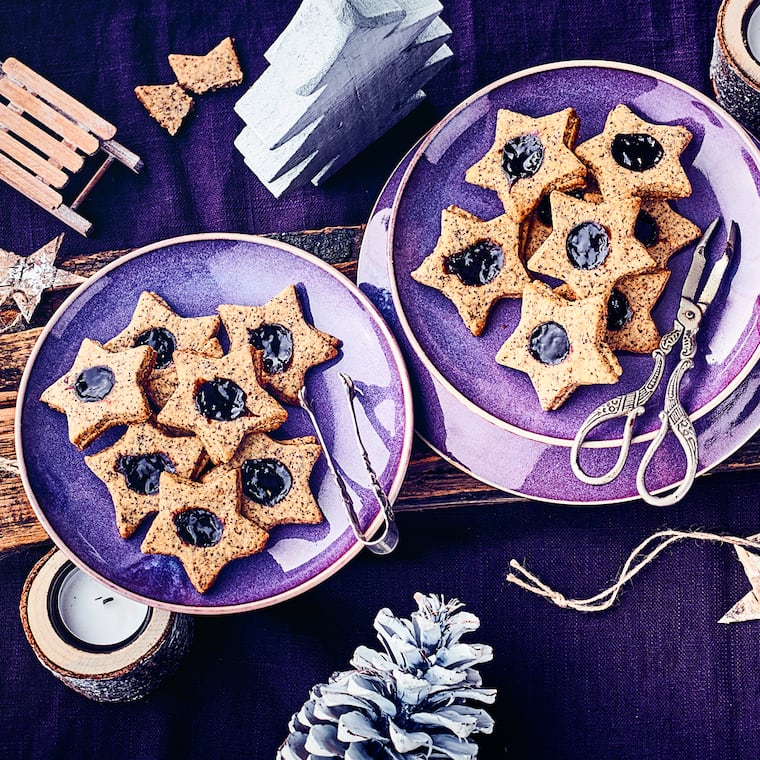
(629, 405)
(673, 418)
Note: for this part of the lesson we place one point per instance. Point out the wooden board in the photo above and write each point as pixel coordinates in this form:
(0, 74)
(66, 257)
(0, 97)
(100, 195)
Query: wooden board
(430, 483)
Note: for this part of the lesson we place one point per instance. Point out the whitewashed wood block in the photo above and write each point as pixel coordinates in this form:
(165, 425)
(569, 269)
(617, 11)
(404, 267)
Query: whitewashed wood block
(341, 74)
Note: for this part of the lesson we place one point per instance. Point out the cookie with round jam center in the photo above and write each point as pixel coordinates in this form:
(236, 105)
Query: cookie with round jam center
(102, 389)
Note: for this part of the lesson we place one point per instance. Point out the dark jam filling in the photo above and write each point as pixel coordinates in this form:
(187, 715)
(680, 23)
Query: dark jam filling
(161, 341)
(265, 481)
(646, 230)
(522, 157)
(587, 245)
(198, 527)
(549, 343)
(94, 383)
(477, 264)
(636, 152)
(220, 399)
(544, 208)
(142, 472)
(619, 312)
(276, 342)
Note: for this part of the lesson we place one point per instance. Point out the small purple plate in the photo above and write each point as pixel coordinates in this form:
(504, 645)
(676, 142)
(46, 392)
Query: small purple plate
(534, 460)
(195, 274)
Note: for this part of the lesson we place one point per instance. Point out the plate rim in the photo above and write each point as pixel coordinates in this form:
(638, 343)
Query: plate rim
(424, 143)
(354, 548)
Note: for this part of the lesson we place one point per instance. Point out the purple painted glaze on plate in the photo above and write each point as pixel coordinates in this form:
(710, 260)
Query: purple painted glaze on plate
(722, 164)
(195, 274)
(508, 459)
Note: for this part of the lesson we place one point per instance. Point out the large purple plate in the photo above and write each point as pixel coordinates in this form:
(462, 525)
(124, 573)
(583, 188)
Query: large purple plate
(527, 452)
(195, 274)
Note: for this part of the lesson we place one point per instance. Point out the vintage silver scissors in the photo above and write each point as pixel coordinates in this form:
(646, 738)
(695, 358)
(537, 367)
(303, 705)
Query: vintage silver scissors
(673, 415)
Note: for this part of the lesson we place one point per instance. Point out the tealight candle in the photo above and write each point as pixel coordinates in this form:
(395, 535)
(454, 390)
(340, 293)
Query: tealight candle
(752, 32)
(92, 614)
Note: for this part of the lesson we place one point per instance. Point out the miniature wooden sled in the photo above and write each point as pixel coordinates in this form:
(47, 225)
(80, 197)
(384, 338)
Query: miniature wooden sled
(45, 137)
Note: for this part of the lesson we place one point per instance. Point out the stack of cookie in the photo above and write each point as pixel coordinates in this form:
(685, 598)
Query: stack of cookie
(594, 217)
(196, 451)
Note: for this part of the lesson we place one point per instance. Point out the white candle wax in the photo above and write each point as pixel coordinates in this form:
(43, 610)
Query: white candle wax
(753, 33)
(95, 614)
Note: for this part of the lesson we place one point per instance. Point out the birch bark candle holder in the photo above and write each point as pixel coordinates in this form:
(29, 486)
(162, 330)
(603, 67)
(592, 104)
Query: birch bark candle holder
(103, 645)
(735, 66)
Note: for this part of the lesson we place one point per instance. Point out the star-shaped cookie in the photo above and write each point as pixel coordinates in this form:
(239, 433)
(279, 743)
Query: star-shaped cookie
(635, 157)
(529, 158)
(630, 326)
(205, 73)
(475, 263)
(559, 344)
(131, 469)
(199, 523)
(156, 324)
(275, 479)
(591, 245)
(25, 279)
(285, 345)
(220, 400)
(663, 231)
(102, 389)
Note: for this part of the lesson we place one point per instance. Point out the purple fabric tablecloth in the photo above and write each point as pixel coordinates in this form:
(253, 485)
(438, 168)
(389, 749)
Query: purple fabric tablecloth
(654, 677)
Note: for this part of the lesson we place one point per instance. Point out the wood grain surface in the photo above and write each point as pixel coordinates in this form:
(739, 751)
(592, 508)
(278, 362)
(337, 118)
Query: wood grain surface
(430, 483)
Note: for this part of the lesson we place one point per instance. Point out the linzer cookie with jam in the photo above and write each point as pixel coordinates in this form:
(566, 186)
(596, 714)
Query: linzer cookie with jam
(592, 245)
(560, 344)
(102, 389)
(285, 346)
(275, 479)
(635, 157)
(220, 400)
(475, 263)
(154, 323)
(200, 524)
(529, 158)
(630, 326)
(131, 469)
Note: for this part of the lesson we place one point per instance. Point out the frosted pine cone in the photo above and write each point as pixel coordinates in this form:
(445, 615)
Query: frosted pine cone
(409, 702)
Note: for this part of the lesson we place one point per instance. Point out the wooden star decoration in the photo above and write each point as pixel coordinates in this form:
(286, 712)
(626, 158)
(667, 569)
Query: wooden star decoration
(216, 503)
(748, 607)
(462, 232)
(625, 255)
(588, 360)
(559, 168)
(665, 179)
(26, 278)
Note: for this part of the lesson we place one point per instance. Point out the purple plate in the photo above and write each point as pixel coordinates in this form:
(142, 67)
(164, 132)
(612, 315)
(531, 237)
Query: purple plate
(195, 274)
(527, 452)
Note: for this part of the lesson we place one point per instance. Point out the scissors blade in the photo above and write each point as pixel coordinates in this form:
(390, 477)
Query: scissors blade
(714, 280)
(698, 261)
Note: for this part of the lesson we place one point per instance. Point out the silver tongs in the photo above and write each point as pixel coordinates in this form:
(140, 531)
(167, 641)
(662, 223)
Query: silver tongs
(386, 541)
(673, 415)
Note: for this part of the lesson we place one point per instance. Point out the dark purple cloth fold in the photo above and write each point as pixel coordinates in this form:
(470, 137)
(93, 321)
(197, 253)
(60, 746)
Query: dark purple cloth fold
(654, 677)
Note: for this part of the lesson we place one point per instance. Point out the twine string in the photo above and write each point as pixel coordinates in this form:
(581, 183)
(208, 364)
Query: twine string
(639, 558)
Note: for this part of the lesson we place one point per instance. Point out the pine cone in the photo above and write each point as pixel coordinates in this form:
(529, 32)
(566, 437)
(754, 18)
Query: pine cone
(408, 702)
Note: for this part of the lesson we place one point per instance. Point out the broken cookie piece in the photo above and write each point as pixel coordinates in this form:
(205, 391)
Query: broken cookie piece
(168, 104)
(205, 73)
